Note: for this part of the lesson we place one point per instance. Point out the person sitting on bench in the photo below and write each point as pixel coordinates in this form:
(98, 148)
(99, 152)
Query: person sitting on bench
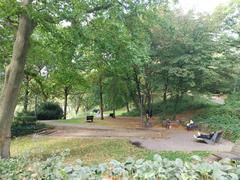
(191, 125)
(205, 136)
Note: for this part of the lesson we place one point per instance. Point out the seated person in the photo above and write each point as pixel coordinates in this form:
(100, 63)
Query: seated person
(149, 114)
(191, 125)
(204, 136)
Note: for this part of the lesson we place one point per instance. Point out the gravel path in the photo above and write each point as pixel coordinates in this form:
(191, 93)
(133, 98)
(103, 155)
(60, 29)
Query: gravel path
(180, 140)
(159, 139)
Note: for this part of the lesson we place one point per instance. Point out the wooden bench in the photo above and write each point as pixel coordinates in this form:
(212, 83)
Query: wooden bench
(234, 154)
(89, 118)
(112, 115)
(215, 138)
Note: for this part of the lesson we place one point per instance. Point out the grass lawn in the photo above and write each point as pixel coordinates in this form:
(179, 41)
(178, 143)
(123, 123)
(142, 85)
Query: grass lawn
(91, 151)
(81, 119)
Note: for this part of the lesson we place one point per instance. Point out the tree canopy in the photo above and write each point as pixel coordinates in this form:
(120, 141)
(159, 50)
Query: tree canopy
(114, 53)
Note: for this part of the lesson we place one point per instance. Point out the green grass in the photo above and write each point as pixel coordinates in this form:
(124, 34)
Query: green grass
(91, 151)
(82, 119)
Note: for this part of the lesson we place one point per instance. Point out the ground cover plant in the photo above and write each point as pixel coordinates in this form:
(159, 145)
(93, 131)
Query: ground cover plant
(157, 168)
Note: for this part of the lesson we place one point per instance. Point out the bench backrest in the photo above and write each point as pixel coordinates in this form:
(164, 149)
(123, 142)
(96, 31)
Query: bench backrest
(217, 136)
(89, 117)
(236, 148)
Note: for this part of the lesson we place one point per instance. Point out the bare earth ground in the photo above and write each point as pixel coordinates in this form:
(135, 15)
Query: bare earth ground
(154, 138)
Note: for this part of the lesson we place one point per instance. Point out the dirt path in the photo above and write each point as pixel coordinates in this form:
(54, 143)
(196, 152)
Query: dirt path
(156, 138)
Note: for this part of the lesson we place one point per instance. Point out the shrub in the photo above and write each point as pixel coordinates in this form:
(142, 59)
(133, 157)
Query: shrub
(26, 117)
(25, 123)
(158, 168)
(25, 129)
(49, 111)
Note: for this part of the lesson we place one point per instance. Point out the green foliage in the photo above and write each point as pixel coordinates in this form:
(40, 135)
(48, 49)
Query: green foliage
(134, 112)
(226, 118)
(26, 123)
(49, 111)
(185, 104)
(158, 168)
(25, 129)
(26, 118)
(169, 108)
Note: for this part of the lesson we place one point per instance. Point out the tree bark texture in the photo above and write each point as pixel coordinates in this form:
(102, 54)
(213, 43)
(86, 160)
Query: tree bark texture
(13, 79)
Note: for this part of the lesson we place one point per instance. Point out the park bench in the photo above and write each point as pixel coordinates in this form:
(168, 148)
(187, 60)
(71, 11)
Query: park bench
(234, 154)
(89, 118)
(112, 115)
(215, 138)
(192, 126)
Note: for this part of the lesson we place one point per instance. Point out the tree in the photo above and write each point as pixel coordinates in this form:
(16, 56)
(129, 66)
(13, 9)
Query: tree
(15, 71)
(13, 79)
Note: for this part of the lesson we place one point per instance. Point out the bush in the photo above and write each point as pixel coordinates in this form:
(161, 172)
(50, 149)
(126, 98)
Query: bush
(158, 168)
(26, 117)
(25, 129)
(49, 111)
(25, 123)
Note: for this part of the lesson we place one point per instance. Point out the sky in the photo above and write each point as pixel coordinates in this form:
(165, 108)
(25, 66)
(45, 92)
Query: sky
(201, 5)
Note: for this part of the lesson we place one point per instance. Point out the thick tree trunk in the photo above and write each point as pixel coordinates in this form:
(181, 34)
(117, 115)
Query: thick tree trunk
(13, 80)
(101, 98)
(65, 102)
(26, 94)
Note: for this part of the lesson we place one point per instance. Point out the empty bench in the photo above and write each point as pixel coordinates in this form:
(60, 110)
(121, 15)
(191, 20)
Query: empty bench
(89, 119)
(234, 154)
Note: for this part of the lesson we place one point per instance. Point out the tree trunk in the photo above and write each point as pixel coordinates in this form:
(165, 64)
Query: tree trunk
(26, 94)
(77, 108)
(13, 79)
(114, 113)
(127, 107)
(65, 102)
(101, 98)
(137, 81)
(165, 93)
(165, 89)
(149, 99)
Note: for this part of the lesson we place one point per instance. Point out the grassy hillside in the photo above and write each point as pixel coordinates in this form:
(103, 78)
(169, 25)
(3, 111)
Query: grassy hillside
(225, 117)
